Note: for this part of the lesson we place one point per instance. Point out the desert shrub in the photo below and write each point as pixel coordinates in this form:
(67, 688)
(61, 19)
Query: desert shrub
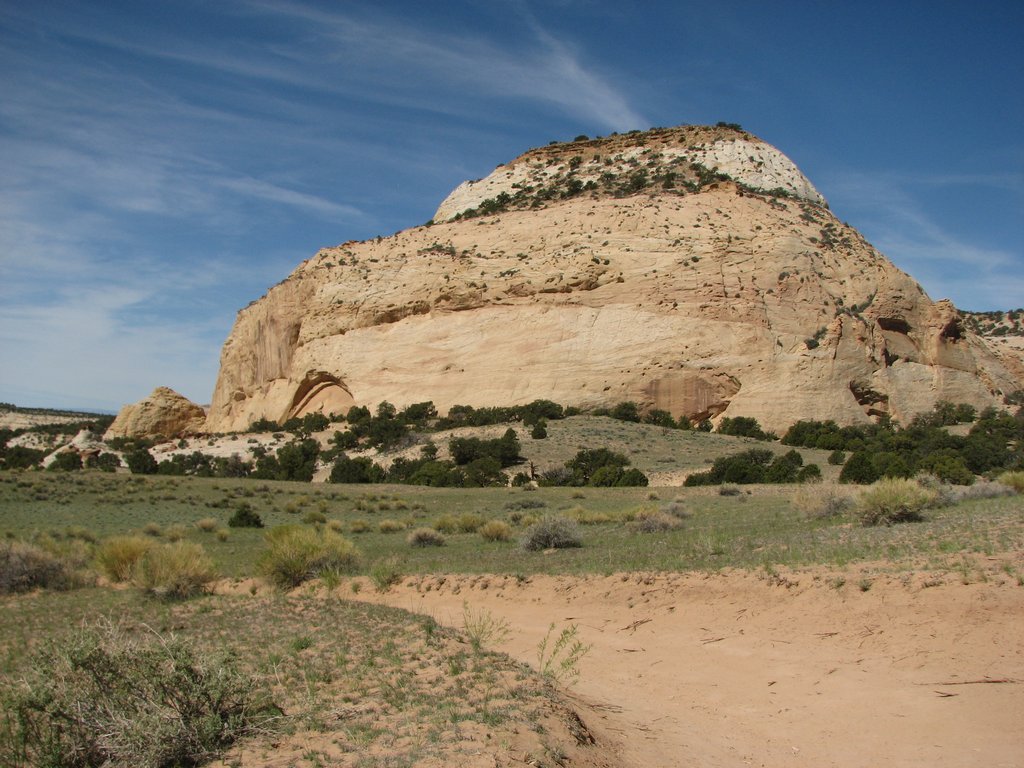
(587, 517)
(105, 462)
(676, 509)
(358, 470)
(526, 504)
(743, 426)
(222, 534)
(465, 450)
(892, 500)
(447, 524)
(141, 462)
(729, 490)
(81, 533)
(25, 566)
(245, 517)
(552, 532)
(175, 533)
(314, 517)
(595, 467)
(1014, 480)
(836, 458)
(173, 571)
(384, 574)
(153, 529)
(654, 522)
(390, 526)
(359, 526)
(425, 537)
(207, 525)
(296, 554)
(102, 698)
(947, 468)
(947, 495)
(335, 525)
(496, 530)
(469, 522)
(117, 556)
(823, 501)
(67, 461)
(809, 474)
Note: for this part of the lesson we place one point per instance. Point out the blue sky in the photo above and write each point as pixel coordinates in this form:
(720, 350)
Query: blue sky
(163, 163)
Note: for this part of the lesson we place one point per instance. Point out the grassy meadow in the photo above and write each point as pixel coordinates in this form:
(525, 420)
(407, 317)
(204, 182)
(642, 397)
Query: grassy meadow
(760, 525)
(360, 685)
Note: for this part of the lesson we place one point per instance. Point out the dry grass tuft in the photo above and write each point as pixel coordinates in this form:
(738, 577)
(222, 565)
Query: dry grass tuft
(174, 571)
(117, 556)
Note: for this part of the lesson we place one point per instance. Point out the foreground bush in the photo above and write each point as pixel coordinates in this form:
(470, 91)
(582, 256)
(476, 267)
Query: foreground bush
(102, 698)
(245, 517)
(655, 521)
(552, 533)
(425, 537)
(892, 500)
(496, 530)
(823, 501)
(296, 554)
(1014, 480)
(117, 556)
(174, 571)
(26, 566)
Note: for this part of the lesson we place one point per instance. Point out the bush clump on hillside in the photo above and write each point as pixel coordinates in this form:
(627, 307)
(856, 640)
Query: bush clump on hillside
(552, 532)
(995, 442)
(25, 566)
(495, 530)
(1014, 480)
(758, 465)
(296, 554)
(103, 698)
(425, 537)
(655, 521)
(596, 467)
(245, 517)
(824, 501)
(743, 426)
(892, 500)
(174, 571)
(117, 556)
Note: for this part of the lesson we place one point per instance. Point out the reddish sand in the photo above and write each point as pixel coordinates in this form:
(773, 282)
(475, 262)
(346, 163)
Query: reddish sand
(791, 669)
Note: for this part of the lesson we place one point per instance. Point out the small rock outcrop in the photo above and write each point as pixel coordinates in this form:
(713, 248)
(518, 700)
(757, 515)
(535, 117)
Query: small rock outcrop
(164, 413)
(690, 269)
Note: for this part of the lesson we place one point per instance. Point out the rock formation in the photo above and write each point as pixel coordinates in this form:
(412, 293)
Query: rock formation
(690, 269)
(164, 412)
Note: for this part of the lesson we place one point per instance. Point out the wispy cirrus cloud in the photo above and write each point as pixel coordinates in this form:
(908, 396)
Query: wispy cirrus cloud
(893, 216)
(403, 58)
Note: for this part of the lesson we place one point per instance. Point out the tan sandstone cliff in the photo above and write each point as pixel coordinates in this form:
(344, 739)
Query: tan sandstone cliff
(164, 412)
(691, 269)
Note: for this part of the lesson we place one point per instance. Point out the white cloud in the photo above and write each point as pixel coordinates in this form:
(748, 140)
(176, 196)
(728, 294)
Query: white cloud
(895, 220)
(264, 190)
(402, 58)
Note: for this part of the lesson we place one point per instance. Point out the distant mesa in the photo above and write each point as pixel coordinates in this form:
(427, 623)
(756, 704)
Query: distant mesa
(691, 269)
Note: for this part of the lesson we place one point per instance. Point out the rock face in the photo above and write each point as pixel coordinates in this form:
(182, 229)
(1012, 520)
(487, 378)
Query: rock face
(164, 412)
(690, 269)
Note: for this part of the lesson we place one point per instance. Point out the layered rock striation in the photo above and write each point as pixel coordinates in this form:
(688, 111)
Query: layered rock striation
(690, 269)
(164, 412)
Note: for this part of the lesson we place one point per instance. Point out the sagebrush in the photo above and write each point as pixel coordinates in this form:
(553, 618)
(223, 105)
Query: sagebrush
(107, 697)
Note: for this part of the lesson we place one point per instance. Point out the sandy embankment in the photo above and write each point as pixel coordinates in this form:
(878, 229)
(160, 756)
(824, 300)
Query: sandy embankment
(744, 669)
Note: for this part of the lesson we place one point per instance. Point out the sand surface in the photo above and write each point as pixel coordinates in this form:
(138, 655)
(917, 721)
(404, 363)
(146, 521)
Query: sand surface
(773, 669)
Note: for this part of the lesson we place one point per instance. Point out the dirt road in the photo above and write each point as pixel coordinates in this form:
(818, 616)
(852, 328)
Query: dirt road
(774, 669)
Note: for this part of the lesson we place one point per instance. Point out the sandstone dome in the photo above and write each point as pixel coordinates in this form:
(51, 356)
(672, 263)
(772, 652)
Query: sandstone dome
(693, 269)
